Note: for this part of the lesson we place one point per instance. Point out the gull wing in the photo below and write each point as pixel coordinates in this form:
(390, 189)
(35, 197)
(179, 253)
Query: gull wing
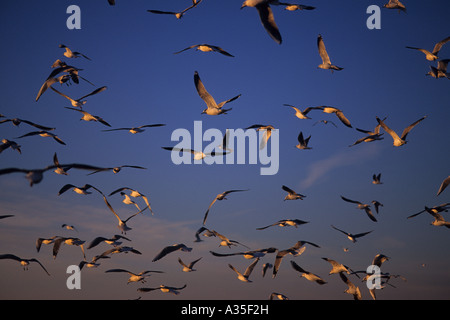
(444, 185)
(439, 45)
(93, 92)
(322, 50)
(250, 268)
(268, 21)
(348, 200)
(201, 90)
(409, 128)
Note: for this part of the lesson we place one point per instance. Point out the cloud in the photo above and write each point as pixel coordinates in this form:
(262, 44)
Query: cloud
(344, 158)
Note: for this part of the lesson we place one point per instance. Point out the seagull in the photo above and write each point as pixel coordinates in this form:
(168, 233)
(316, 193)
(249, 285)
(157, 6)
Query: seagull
(16, 122)
(352, 289)
(285, 223)
(369, 138)
(338, 113)
(294, 7)
(247, 254)
(297, 249)
(112, 241)
(80, 190)
(267, 129)
(362, 206)
(325, 122)
(80, 102)
(9, 144)
(206, 48)
(41, 241)
(303, 143)
(66, 226)
(122, 223)
(93, 263)
(23, 262)
(395, 4)
(435, 209)
(69, 241)
(432, 56)
(399, 141)
(377, 205)
(438, 219)
(376, 179)
(326, 62)
(120, 249)
(220, 197)
(72, 54)
(164, 289)
(336, 266)
(244, 277)
(440, 71)
(352, 237)
(198, 155)
(279, 296)
(266, 17)
(213, 108)
(307, 275)
(443, 185)
(89, 117)
(169, 249)
(180, 14)
(188, 267)
(59, 169)
(134, 194)
(139, 129)
(292, 195)
(35, 176)
(302, 114)
(379, 259)
(44, 134)
(117, 169)
(265, 267)
(134, 277)
(225, 241)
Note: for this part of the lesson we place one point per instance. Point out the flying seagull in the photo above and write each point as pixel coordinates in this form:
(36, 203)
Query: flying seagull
(93, 263)
(432, 56)
(297, 249)
(267, 132)
(277, 295)
(244, 277)
(435, 209)
(180, 14)
(326, 62)
(206, 48)
(71, 241)
(79, 102)
(292, 195)
(198, 155)
(135, 277)
(120, 249)
(376, 179)
(40, 241)
(89, 117)
(225, 242)
(352, 289)
(247, 254)
(303, 143)
(399, 141)
(440, 71)
(395, 4)
(80, 190)
(266, 17)
(213, 108)
(307, 275)
(122, 223)
(188, 267)
(438, 219)
(135, 130)
(117, 169)
(369, 138)
(294, 7)
(338, 113)
(220, 197)
(16, 122)
(285, 223)
(135, 194)
(302, 114)
(163, 288)
(111, 241)
(443, 185)
(169, 249)
(377, 205)
(10, 144)
(68, 227)
(72, 54)
(23, 262)
(44, 134)
(336, 266)
(362, 206)
(352, 237)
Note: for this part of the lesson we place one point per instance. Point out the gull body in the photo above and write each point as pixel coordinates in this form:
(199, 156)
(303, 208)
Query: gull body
(326, 62)
(188, 267)
(292, 195)
(69, 241)
(395, 4)
(244, 277)
(72, 54)
(308, 275)
(302, 142)
(336, 266)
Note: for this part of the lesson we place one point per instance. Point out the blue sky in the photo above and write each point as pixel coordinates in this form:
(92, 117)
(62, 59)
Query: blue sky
(132, 54)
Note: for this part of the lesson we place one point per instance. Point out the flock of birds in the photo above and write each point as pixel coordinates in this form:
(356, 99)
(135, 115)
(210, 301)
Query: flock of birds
(64, 73)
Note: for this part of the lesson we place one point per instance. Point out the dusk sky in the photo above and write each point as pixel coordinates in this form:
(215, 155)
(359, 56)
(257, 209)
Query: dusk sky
(131, 52)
